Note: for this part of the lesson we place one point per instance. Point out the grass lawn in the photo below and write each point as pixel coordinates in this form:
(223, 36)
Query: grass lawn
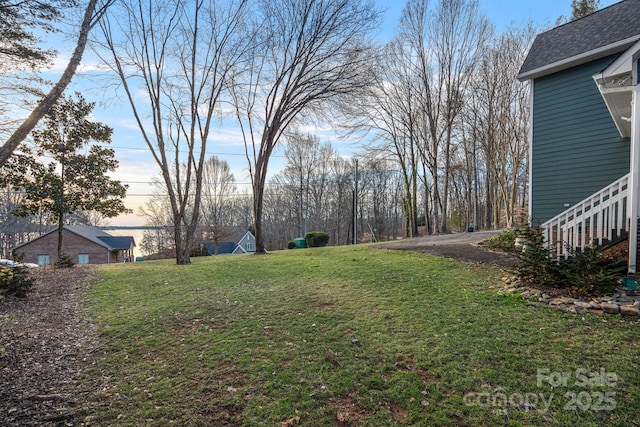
(265, 340)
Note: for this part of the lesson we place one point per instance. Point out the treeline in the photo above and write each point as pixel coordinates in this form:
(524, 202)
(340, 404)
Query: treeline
(443, 120)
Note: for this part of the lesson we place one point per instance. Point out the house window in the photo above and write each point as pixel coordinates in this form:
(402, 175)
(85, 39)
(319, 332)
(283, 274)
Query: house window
(83, 258)
(248, 246)
(44, 260)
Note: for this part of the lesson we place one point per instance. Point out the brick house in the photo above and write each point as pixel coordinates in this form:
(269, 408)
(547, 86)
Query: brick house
(85, 245)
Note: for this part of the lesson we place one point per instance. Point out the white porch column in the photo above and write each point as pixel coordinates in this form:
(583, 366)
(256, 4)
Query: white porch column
(633, 200)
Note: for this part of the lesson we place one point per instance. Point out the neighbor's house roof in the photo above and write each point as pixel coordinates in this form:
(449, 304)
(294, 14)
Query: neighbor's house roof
(96, 235)
(605, 32)
(230, 244)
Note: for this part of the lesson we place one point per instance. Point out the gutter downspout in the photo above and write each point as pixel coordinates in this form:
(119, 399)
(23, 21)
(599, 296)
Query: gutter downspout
(634, 177)
(530, 166)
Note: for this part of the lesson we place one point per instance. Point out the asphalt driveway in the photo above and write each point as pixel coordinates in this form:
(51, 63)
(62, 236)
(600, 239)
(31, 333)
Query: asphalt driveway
(464, 247)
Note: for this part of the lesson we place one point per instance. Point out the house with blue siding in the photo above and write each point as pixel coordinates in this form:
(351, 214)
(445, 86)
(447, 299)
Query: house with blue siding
(237, 242)
(585, 130)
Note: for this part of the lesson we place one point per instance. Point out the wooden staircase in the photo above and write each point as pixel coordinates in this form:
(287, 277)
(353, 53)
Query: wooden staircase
(600, 219)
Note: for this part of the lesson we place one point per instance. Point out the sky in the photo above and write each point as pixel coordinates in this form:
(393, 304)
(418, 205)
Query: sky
(137, 167)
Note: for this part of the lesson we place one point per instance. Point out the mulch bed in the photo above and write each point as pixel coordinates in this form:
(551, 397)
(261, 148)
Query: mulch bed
(45, 347)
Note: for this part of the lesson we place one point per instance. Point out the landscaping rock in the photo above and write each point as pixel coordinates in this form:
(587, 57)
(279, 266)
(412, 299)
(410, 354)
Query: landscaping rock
(580, 310)
(628, 310)
(583, 304)
(610, 307)
(620, 302)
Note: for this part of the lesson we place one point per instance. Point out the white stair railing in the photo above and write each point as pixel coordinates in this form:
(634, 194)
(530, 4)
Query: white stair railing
(592, 220)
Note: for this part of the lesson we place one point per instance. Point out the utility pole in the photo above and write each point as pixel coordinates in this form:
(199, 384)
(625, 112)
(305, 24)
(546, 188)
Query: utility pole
(355, 204)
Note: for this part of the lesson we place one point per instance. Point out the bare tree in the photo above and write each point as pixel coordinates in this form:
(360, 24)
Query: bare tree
(498, 112)
(381, 190)
(445, 46)
(341, 202)
(157, 238)
(307, 170)
(313, 54)
(392, 111)
(181, 55)
(92, 15)
(218, 189)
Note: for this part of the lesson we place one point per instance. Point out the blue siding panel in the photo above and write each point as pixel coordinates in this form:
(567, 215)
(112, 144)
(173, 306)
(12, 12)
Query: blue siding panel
(577, 149)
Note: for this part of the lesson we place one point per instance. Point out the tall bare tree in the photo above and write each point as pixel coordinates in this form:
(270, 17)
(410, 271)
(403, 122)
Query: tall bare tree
(306, 169)
(182, 56)
(498, 123)
(392, 111)
(218, 189)
(312, 56)
(445, 44)
(157, 238)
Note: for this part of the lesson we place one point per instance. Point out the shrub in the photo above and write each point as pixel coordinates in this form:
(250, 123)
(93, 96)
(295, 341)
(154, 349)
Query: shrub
(291, 244)
(587, 271)
(15, 281)
(537, 264)
(199, 250)
(503, 241)
(592, 273)
(316, 239)
(65, 261)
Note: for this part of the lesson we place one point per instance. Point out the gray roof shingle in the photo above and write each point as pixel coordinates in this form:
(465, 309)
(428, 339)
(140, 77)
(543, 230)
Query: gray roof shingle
(605, 32)
(115, 243)
(98, 236)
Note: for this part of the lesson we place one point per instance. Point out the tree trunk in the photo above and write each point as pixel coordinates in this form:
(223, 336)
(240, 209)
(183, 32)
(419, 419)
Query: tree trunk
(258, 198)
(447, 175)
(182, 251)
(414, 199)
(60, 229)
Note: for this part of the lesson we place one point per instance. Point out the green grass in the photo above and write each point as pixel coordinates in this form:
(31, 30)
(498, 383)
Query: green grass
(259, 340)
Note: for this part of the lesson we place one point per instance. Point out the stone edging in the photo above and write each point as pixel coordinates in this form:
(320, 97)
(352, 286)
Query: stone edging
(623, 302)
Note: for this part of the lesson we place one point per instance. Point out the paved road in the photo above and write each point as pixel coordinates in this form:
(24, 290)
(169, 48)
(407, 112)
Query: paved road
(461, 246)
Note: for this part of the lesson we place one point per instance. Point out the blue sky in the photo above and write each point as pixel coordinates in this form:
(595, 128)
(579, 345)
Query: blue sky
(137, 167)
(501, 13)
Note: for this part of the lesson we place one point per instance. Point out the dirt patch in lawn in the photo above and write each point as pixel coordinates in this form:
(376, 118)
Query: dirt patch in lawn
(45, 344)
(347, 412)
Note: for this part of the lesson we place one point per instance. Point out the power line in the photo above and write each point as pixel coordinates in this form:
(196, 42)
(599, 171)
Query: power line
(173, 151)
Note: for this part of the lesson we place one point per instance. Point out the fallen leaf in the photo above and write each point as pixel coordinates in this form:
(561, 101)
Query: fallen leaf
(291, 422)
